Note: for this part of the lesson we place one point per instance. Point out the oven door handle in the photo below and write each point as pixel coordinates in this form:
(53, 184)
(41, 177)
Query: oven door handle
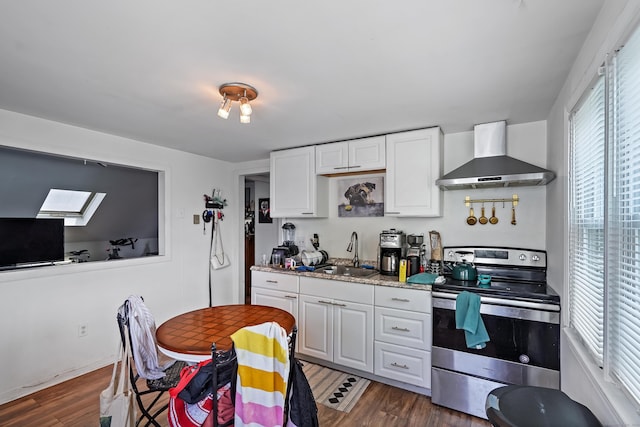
(514, 309)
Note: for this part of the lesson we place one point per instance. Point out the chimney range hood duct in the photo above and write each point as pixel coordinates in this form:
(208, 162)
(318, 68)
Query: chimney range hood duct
(491, 167)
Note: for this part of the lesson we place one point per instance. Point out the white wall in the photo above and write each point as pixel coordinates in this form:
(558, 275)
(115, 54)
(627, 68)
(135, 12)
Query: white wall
(41, 309)
(525, 141)
(581, 378)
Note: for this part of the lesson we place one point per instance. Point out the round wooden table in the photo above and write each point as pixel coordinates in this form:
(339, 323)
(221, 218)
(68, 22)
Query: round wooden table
(189, 336)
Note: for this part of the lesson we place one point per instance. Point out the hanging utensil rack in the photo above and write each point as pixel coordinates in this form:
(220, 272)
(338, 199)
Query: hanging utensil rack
(468, 201)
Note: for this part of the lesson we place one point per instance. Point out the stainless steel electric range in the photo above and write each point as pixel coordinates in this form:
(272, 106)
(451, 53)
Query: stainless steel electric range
(522, 317)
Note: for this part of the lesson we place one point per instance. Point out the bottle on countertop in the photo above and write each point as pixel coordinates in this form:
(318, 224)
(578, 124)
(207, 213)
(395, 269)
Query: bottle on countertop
(402, 274)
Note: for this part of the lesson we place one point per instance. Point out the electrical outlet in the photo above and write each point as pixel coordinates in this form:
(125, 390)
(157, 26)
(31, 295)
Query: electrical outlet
(83, 330)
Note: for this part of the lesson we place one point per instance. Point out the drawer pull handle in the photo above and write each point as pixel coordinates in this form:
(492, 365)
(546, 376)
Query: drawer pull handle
(396, 328)
(324, 302)
(399, 366)
(291, 296)
(272, 281)
(401, 299)
(339, 305)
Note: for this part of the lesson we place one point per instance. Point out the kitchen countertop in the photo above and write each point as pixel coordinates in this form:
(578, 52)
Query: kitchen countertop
(376, 279)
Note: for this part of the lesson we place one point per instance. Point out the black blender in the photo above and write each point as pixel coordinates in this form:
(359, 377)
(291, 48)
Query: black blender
(289, 239)
(288, 248)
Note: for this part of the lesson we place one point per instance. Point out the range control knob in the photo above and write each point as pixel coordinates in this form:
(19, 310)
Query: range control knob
(535, 258)
(522, 257)
(524, 358)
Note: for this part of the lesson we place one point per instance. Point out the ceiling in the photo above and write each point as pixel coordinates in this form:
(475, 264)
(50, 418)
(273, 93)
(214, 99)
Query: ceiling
(325, 71)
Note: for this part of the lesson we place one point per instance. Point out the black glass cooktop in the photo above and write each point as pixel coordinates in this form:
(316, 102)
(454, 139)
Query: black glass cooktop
(503, 289)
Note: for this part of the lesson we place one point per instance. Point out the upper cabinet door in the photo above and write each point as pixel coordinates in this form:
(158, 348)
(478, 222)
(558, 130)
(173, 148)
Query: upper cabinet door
(367, 153)
(294, 186)
(351, 156)
(332, 158)
(414, 163)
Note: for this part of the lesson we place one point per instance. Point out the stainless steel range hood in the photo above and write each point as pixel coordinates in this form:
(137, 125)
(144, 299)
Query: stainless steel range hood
(491, 167)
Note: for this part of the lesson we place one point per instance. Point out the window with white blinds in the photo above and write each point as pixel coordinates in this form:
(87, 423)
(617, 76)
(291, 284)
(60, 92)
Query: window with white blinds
(623, 255)
(604, 215)
(586, 227)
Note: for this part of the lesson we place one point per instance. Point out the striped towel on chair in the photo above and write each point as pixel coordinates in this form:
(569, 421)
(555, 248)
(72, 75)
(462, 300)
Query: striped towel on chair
(263, 371)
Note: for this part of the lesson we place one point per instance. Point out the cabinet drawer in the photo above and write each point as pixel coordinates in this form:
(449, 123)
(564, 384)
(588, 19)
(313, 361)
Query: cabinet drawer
(403, 364)
(336, 289)
(287, 301)
(281, 282)
(403, 299)
(405, 328)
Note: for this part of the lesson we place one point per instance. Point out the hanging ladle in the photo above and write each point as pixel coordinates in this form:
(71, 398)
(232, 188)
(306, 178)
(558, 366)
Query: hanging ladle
(483, 219)
(471, 219)
(494, 219)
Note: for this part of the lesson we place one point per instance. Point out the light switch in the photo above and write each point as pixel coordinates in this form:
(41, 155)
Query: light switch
(196, 219)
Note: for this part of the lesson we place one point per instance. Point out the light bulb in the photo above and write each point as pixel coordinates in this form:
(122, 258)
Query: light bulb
(223, 111)
(245, 107)
(245, 119)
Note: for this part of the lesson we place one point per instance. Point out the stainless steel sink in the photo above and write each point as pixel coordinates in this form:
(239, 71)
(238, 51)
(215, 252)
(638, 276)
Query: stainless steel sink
(345, 270)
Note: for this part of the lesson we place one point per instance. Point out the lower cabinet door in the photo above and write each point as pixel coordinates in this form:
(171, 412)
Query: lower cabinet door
(404, 364)
(287, 301)
(315, 327)
(353, 329)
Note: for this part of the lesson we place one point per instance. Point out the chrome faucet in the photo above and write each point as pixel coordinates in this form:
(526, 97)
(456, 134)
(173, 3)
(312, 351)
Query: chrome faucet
(354, 237)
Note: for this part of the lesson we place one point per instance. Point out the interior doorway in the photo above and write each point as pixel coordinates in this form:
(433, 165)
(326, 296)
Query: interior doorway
(261, 231)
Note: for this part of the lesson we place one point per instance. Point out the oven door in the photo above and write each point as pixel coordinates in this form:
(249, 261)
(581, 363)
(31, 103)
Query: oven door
(524, 341)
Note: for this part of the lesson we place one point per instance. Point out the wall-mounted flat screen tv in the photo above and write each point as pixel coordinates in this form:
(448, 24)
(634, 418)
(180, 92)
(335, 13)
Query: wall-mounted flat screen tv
(25, 241)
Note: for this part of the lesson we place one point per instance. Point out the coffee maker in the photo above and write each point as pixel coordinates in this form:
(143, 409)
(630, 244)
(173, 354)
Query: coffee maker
(415, 253)
(392, 249)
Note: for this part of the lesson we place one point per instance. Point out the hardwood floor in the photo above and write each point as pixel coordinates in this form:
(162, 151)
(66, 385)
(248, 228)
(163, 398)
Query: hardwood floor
(76, 403)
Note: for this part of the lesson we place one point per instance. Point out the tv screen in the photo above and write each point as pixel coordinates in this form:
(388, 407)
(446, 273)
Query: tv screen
(30, 241)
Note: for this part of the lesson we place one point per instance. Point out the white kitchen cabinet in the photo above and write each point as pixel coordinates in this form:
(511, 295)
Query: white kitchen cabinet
(275, 290)
(414, 163)
(403, 328)
(295, 189)
(357, 155)
(336, 322)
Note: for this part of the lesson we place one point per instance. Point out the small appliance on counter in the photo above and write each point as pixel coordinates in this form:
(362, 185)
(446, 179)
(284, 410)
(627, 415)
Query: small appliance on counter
(392, 249)
(289, 238)
(415, 250)
(288, 248)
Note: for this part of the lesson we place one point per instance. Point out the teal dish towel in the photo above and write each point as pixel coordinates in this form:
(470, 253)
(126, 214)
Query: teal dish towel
(422, 278)
(468, 318)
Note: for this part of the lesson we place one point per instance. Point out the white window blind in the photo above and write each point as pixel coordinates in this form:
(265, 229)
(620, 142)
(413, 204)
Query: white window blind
(586, 227)
(604, 216)
(623, 260)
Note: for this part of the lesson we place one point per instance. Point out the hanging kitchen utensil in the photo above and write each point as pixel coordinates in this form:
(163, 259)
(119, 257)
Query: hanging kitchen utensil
(483, 219)
(513, 215)
(494, 219)
(471, 219)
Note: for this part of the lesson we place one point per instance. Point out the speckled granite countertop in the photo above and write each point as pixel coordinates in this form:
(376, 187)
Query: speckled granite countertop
(376, 279)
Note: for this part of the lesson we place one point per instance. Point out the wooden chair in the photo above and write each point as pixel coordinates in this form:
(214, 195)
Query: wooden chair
(155, 388)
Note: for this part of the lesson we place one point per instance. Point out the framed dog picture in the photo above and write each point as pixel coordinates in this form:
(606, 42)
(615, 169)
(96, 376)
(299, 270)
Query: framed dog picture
(264, 211)
(361, 196)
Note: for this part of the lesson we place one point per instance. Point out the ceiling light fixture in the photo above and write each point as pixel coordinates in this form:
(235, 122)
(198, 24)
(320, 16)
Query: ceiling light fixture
(243, 93)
